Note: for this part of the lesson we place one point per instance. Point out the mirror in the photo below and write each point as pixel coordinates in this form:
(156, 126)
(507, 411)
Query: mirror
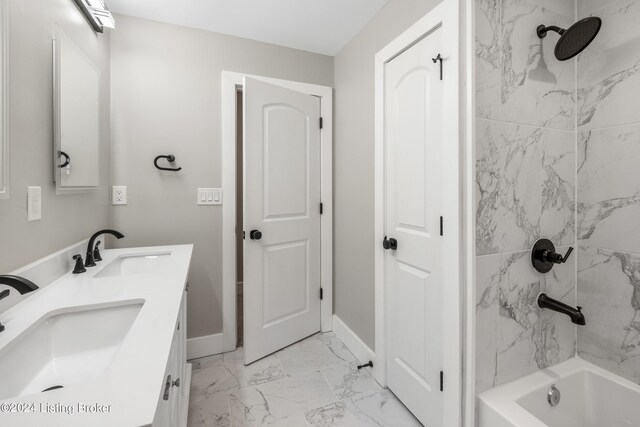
(4, 144)
(76, 116)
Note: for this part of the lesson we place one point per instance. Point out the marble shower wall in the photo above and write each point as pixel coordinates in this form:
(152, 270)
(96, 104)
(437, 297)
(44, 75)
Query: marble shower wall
(608, 221)
(525, 186)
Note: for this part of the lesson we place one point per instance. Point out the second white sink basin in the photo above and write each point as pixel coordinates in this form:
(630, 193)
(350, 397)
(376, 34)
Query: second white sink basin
(65, 348)
(127, 265)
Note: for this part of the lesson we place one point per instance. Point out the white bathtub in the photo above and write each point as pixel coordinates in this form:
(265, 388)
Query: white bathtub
(590, 397)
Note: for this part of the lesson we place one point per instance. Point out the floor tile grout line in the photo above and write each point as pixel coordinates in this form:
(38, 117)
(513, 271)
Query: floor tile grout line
(286, 375)
(229, 409)
(329, 385)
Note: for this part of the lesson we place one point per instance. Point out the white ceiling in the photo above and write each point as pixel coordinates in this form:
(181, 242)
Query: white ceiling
(320, 26)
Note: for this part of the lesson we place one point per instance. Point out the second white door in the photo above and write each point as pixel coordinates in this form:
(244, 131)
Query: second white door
(281, 217)
(413, 209)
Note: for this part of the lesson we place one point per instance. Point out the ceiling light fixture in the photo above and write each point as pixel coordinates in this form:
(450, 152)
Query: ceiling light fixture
(97, 14)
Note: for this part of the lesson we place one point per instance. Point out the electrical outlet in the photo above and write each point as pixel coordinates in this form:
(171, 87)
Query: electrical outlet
(34, 203)
(119, 195)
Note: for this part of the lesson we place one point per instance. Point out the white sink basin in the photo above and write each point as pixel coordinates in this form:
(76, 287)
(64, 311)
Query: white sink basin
(127, 265)
(65, 348)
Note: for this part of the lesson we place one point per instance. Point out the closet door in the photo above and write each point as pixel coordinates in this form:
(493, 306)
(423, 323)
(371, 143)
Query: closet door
(413, 208)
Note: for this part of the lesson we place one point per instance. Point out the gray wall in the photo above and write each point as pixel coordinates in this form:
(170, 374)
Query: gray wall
(69, 218)
(354, 164)
(166, 99)
(525, 187)
(609, 189)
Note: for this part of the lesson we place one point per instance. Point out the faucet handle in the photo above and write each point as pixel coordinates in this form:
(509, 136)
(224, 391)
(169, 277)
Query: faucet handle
(96, 252)
(79, 268)
(4, 293)
(566, 256)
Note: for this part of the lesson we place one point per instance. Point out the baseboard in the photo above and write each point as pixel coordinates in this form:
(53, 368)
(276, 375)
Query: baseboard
(205, 346)
(352, 341)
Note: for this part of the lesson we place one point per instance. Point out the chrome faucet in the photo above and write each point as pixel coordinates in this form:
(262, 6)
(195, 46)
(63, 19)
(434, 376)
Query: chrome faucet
(18, 283)
(91, 248)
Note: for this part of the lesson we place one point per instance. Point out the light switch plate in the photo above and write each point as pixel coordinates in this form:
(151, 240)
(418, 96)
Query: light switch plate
(209, 196)
(34, 203)
(119, 195)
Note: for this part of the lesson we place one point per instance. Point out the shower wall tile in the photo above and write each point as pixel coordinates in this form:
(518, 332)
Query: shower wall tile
(557, 221)
(488, 51)
(609, 291)
(536, 88)
(508, 335)
(609, 188)
(566, 8)
(610, 69)
(525, 186)
(514, 337)
(488, 275)
(519, 342)
(587, 7)
(508, 170)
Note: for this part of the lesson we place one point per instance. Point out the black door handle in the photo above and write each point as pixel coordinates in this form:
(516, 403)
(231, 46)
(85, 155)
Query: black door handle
(255, 235)
(390, 244)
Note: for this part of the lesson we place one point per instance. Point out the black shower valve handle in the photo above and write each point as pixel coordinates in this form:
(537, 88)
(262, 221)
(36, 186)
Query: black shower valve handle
(566, 256)
(557, 258)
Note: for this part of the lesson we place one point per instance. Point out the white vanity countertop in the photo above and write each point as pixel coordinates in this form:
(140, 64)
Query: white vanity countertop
(134, 382)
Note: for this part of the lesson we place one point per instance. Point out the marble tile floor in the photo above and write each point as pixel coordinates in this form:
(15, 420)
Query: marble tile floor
(314, 382)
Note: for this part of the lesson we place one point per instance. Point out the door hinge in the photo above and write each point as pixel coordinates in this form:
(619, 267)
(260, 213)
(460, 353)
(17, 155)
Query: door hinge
(243, 235)
(441, 380)
(441, 226)
(321, 208)
(436, 59)
(321, 294)
(321, 123)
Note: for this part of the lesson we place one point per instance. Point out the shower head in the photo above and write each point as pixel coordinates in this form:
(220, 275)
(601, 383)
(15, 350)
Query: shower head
(574, 39)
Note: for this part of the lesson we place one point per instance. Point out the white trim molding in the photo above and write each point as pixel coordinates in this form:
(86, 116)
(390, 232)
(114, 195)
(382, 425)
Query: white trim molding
(447, 15)
(231, 83)
(353, 342)
(469, 214)
(205, 346)
(4, 100)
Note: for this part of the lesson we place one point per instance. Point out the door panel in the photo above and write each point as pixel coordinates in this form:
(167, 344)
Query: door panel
(413, 161)
(284, 264)
(282, 200)
(286, 165)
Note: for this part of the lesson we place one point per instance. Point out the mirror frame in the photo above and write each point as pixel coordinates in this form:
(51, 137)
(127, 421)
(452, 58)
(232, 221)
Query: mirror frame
(57, 140)
(4, 99)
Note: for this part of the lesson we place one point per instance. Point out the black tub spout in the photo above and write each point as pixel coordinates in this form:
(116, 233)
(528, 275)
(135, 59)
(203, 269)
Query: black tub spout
(545, 301)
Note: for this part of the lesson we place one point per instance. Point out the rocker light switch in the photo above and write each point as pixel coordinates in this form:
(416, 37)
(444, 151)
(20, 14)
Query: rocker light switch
(209, 196)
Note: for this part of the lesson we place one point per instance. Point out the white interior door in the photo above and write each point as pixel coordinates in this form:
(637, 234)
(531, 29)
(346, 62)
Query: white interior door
(282, 203)
(413, 209)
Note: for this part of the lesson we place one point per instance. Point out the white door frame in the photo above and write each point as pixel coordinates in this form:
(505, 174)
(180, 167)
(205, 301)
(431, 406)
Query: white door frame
(449, 15)
(468, 63)
(231, 83)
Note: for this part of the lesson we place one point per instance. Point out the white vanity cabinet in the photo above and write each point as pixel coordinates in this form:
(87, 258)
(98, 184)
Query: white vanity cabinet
(173, 403)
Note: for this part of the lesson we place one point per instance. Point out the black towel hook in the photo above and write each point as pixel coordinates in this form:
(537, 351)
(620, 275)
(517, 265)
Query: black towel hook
(170, 158)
